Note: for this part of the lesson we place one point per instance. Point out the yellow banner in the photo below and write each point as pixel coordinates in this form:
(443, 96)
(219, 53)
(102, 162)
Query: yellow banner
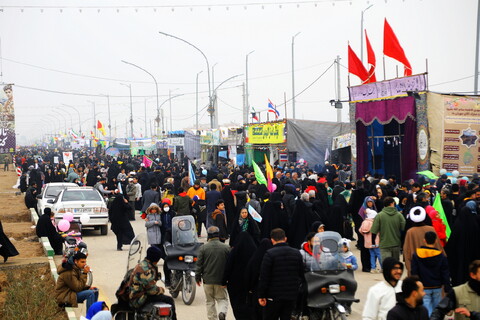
(266, 133)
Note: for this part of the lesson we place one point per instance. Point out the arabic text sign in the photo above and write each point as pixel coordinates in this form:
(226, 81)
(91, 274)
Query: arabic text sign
(266, 133)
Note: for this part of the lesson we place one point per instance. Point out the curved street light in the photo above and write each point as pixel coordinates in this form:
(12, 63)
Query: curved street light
(169, 99)
(208, 69)
(157, 119)
(79, 119)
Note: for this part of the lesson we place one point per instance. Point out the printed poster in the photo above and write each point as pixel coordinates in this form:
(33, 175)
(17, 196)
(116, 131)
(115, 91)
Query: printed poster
(7, 120)
(461, 147)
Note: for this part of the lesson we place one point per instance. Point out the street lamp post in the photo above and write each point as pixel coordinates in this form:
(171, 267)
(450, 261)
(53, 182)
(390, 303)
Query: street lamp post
(293, 75)
(196, 102)
(208, 71)
(131, 107)
(168, 100)
(79, 119)
(69, 114)
(245, 113)
(361, 32)
(94, 118)
(156, 91)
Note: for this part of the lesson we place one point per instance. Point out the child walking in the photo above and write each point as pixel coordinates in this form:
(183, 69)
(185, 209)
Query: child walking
(371, 241)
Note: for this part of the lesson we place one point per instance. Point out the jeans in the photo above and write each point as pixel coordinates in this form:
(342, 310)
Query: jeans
(374, 256)
(214, 293)
(90, 295)
(432, 299)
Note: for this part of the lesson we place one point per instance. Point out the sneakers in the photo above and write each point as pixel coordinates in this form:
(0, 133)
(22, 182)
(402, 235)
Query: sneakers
(222, 316)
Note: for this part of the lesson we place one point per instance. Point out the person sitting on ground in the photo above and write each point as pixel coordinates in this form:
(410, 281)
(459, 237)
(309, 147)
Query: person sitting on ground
(71, 287)
(144, 287)
(45, 228)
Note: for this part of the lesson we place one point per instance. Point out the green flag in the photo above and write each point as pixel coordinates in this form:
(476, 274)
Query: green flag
(437, 204)
(259, 174)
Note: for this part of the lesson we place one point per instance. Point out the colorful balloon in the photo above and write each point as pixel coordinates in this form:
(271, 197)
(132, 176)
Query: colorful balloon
(68, 216)
(63, 225)
(455, 173)
(443, 171)
(274, 186)
(84, 218)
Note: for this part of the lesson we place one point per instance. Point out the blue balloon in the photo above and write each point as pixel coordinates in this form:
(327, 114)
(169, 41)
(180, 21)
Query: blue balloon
(449, 174)
(204, 172)
(454, 180)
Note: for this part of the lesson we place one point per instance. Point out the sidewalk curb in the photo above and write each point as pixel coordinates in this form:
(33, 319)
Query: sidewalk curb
(48, 250)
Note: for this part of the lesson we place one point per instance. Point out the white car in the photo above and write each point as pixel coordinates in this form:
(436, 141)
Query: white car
(83, 200)
(49, 192)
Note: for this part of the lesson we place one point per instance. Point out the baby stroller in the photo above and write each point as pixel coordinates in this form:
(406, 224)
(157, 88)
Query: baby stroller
(73, 243)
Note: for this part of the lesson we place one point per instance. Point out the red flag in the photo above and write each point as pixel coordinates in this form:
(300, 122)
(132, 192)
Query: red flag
(355, 66)
(371, 61)
(393, 49)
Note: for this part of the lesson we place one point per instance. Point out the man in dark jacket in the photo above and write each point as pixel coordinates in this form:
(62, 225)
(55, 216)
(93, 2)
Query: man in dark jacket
(431, 266)
(182, 203)
(409, 301)
(149, 197)
(211, 262)
(280, 276)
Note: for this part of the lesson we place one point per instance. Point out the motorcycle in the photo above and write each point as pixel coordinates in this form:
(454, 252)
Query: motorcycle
(73, 243)
(331, 286)
(181, 258)
(150, 311)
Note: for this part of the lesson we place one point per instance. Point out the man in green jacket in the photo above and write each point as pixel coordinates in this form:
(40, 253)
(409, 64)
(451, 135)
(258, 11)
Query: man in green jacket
(210, 266)
(389, 223)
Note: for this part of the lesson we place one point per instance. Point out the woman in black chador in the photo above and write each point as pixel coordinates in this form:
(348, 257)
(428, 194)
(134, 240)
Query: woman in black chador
(7, 249)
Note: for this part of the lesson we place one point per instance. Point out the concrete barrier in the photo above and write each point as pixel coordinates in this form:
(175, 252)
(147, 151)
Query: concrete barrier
(49, 252)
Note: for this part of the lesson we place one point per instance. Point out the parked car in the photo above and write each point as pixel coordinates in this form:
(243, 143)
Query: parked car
(49, 192)
(83, 200)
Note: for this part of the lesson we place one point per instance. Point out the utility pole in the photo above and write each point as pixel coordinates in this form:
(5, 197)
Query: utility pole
(475, 87)
(361, 32)
(109, 120)
(196, 103)
(339, 110)
(246, 87)
(170, 106)
(245, 104)
(293, 75)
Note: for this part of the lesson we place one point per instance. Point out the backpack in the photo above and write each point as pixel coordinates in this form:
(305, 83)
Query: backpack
(123, 290)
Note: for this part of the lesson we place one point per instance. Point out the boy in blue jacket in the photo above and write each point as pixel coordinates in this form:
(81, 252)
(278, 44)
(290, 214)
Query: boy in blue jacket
(431, 266)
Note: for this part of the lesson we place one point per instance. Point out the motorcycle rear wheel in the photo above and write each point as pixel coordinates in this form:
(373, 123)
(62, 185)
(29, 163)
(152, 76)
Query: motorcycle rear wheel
(188, 290)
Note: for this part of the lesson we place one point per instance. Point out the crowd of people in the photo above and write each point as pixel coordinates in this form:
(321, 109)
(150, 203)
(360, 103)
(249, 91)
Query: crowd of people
(386, 218)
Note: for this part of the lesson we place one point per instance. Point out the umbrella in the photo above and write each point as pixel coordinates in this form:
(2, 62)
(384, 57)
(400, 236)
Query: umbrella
(429, 174)
(112, 151)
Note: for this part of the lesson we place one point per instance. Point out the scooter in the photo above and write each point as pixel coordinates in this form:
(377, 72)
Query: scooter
(150, 311)
(331, 287)
(181, 258)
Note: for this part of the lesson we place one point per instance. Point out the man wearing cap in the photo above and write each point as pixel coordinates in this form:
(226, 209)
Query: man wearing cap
(212, 259)
(196, 191)
(144, 287)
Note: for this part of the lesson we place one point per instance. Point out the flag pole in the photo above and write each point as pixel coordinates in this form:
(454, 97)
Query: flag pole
(384, 73)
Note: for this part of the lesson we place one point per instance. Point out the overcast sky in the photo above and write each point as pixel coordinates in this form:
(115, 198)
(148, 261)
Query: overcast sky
(89, 43)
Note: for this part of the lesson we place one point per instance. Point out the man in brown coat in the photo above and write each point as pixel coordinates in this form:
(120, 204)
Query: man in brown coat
(415, 236)
(71, 285)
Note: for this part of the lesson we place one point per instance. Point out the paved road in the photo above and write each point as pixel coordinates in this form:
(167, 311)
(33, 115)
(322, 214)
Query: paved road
(109, 266)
